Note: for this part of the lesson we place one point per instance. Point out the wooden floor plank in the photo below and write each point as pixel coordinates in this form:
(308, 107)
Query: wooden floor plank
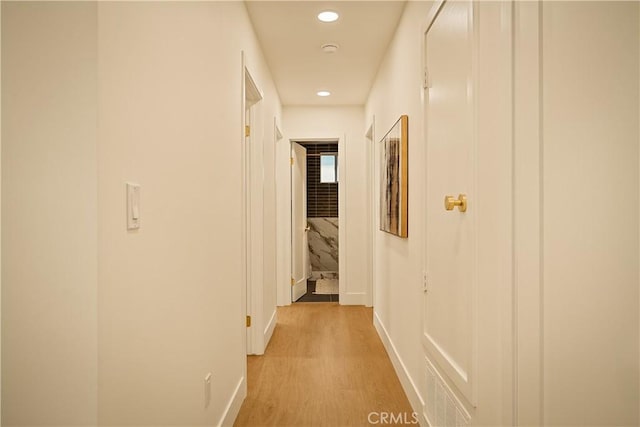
(325, 366)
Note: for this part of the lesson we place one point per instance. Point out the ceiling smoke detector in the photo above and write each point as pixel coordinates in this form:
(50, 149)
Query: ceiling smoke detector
(329, 48)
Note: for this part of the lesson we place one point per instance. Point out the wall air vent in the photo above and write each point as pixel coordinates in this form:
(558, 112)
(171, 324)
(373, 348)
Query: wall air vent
(442, 409)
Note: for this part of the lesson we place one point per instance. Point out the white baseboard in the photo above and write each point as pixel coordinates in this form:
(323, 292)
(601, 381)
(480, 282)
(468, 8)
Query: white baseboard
(409, 386)
(271, 326)
(359, 298)
(233, 407)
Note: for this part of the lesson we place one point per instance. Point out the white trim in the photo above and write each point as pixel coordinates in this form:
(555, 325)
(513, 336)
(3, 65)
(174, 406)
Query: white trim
(243, 219)
(504, 111)
(0, 221)
(283, 221)
(353, 298)
(475, 189)
(431, 16)
(252, 212)
(232, 409)
(343, 278)
(408, 384)
(445, 360)
(271, 326)
(527, 203)
(307, 140)
(277, 134)
(371, 217)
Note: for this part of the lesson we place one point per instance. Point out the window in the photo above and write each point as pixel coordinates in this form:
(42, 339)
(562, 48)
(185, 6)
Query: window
(328, 168)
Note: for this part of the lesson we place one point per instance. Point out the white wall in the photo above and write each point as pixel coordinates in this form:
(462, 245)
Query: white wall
(101, 325)
(170, 305)
(49, 214)
(578, 262)
(345, 123)
(590, 258)
(398, 262)
(577, 330)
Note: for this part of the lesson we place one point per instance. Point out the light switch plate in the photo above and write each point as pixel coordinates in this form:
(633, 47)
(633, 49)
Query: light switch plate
(133, 206)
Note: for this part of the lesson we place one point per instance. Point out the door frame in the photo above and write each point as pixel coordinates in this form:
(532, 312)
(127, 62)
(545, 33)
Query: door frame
(372, 217)
(285, 285)
(251, 218)
(528, 220)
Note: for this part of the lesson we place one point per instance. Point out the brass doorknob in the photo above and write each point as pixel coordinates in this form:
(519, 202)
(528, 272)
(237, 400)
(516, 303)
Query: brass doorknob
(461, 202)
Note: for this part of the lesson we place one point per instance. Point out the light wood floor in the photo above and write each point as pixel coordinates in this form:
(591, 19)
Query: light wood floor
(325, 366)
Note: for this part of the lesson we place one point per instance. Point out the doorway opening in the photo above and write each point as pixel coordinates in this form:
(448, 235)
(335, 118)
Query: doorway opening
(315, 221)
(252, 211)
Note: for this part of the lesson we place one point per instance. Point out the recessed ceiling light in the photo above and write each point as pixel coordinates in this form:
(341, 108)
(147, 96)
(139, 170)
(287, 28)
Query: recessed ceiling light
(328, 16)
(329, 48)
(324, 93)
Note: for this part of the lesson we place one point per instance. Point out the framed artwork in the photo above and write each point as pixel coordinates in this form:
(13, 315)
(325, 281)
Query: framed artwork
(394, 179)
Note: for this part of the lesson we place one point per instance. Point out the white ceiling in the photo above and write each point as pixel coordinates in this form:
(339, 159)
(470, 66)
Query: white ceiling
(291, 35)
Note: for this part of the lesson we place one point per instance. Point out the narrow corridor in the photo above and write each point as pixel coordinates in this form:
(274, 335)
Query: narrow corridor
(325, 365)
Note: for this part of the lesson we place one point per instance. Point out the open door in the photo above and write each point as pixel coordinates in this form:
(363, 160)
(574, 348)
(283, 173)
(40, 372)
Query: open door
(252, 215)
(299, 244)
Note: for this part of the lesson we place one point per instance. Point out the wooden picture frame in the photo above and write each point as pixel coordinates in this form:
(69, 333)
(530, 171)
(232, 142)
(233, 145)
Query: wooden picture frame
(394, 186)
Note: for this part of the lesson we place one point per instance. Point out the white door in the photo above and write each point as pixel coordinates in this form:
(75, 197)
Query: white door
(248, 248)
(448, 329)
(299, 245)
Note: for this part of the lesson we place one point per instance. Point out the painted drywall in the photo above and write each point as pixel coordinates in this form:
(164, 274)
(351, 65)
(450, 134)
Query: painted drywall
(590, 248)
(587, 352)
(100, 325)
(345, 123)
(398, 262)
(170, 308)
(49, 213)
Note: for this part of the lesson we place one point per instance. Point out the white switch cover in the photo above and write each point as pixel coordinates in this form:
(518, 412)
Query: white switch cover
(133, 206)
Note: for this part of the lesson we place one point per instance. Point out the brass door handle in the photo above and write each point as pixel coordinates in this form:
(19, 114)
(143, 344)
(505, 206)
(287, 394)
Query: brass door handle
(461, 203)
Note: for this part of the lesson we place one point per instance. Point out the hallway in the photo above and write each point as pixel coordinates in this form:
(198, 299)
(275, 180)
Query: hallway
(487, 177)
(325, 365)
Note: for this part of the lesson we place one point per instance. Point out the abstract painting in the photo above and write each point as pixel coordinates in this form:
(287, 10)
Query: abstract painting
(393, 179)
